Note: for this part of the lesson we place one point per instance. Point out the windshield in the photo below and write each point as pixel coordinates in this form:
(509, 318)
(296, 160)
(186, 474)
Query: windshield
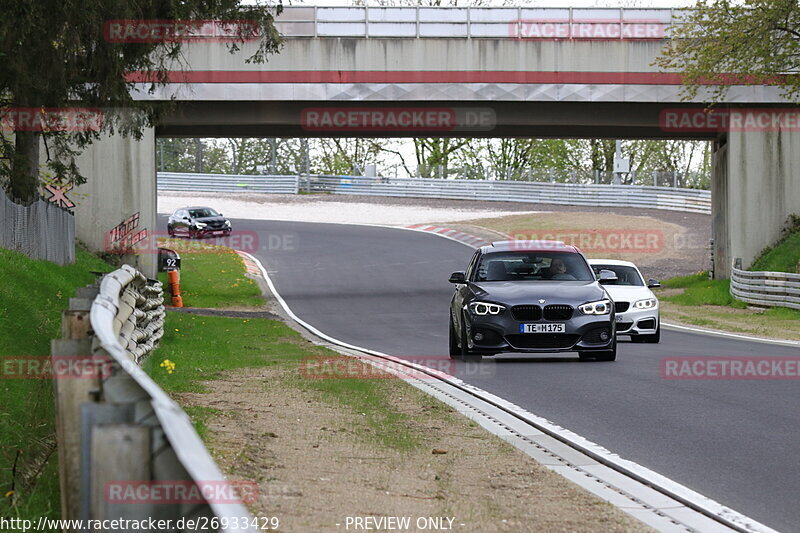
(203, 212)
(521, 266)
(625, 275)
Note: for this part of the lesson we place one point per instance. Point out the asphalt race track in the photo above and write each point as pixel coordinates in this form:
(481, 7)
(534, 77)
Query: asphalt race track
(386, 289)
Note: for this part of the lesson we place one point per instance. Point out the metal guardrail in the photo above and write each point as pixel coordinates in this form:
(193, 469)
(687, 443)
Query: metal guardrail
(120, 427)
(692, 200)
(671, 198)
(474, 22)
(175, 181)
(768, 289)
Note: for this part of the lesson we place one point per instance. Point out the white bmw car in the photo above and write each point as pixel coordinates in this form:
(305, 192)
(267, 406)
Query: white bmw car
(636, 305)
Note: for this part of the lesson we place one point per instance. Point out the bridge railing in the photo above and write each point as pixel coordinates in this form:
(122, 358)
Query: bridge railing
(477, 22)
(766, 289)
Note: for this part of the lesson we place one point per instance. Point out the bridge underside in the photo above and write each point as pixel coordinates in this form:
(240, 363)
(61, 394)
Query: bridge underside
(510, 119)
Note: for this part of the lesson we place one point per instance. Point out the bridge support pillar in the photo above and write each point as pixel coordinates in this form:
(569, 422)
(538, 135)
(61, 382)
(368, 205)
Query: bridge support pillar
(121, 174)
(755, 187)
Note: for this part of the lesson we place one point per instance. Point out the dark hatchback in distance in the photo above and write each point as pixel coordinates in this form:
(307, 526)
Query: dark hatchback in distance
(531, 296)
(198, 222)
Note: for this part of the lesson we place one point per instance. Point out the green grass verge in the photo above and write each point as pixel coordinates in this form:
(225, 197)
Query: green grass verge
(212, 276)
(699, 290)
(32, 296)
(201, 348)
(783, 257)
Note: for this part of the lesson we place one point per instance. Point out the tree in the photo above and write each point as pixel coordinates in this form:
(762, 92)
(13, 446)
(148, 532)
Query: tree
(55, 55)
(343, 156)
(724, 42)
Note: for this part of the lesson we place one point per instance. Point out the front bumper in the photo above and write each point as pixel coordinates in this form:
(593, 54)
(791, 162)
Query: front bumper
(205, 232)
(501, 333)
(638, 322)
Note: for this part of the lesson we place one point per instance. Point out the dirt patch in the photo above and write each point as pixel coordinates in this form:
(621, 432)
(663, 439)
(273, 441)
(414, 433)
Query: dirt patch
(317, 463)
(233, 312)
(660, 248)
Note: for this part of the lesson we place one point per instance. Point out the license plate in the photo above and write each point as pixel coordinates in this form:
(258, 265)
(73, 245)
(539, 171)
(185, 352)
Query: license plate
(542, 328)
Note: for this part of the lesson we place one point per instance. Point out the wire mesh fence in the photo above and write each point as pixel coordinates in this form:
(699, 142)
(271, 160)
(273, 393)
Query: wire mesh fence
(40, 230)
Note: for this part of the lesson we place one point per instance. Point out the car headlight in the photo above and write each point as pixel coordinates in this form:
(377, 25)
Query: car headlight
(649, 303)
(600, 307)
(485, 308)
(228, 223)
(200, 225)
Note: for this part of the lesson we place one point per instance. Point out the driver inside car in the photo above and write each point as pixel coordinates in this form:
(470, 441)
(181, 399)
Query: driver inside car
(558, 270)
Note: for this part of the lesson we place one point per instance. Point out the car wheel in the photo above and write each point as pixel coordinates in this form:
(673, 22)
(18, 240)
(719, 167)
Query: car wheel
(466, 355)
(170, 231)
(455, 349)
(655, 338)
(606, 355)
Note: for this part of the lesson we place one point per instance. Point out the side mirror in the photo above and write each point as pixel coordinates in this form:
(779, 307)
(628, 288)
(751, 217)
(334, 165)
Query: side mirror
(607, 276)
(458, 277)
(221, 214)
(653, 284)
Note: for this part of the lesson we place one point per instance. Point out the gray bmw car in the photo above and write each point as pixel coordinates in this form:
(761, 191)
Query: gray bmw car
(531, 296)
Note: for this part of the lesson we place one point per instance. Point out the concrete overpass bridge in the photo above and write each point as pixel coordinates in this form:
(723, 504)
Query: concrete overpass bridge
(486, 72)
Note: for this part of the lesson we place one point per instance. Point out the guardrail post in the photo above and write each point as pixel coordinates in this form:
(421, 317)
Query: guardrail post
(70, 393)
(120, 453)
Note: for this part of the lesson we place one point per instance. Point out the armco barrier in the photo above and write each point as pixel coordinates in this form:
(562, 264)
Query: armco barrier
(117, 428)
(676, 199)
(173, 181)
(693, 200)
(767, 289)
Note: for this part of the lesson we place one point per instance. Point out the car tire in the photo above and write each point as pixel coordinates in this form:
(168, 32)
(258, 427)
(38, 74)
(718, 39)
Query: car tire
(655, 338)
(170, 231)
(455, 349)
(466, 355)
(606, 355)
